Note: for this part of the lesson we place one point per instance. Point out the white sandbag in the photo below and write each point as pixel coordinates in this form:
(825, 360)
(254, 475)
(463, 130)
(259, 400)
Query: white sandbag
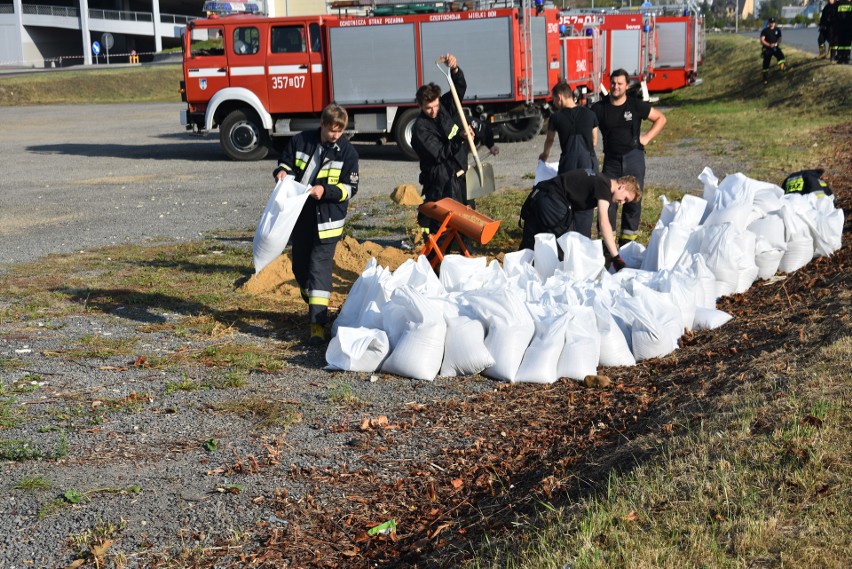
(545, 171)
(464, 349)
(684, 290)
(583, 258)
(614, 348)
(582, 350)
(513, 261)
(709, 318)
(663, 310)
(771, 228)
(800, 244)
(730, 256)
(461, 273)
(277, 221)
(365, 300)
(632, 253)
(769, 199)
(545, 255)
(649, 338)
(711, 184)
(691, 212)
(416, 331)
(669, 244)
(767, 261)
(509, 328)
(539, 364)
(826, 225)
(418, 275)
(357, 349)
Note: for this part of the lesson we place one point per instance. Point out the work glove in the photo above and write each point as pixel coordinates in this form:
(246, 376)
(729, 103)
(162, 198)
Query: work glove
(618, 263)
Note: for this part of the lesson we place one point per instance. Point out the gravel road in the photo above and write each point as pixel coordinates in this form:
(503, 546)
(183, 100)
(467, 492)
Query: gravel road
(79, 177)
(123, 436)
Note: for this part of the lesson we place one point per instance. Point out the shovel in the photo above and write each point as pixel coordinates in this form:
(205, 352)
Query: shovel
(482, 183)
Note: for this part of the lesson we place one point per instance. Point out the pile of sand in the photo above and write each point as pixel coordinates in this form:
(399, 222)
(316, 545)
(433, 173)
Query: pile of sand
(350, 258)
(406, 194)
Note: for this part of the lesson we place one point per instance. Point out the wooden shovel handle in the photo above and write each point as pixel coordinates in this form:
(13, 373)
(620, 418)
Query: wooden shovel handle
(460, 111)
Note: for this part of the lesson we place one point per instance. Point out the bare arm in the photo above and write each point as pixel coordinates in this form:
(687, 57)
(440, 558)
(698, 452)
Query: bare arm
(658, 121)
(548, 143)
(606, 228)
(595, 132)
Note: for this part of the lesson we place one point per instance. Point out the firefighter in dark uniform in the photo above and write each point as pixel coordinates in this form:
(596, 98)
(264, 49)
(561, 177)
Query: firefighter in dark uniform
(826, 19)
(770, 39)
(620, 119)
(324, 160)
(441, 145)
(551, 204)
(843, 31)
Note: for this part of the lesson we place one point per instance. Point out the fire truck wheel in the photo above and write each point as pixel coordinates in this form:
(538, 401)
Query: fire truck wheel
(403, 130)
(243, 137)
(520, 130)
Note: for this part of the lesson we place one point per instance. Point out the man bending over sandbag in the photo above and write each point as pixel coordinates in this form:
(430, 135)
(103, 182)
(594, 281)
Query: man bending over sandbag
(549, 207)
(327, 163)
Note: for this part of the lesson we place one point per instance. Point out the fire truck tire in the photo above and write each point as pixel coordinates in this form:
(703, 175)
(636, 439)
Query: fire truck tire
(520, 130)
(243, 137)
(403, 130)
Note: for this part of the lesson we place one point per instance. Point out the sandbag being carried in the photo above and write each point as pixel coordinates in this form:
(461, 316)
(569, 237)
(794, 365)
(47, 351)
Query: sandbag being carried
(277, 221)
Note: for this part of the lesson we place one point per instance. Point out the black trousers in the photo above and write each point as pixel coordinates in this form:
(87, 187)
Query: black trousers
(631, 164)
(313, 261)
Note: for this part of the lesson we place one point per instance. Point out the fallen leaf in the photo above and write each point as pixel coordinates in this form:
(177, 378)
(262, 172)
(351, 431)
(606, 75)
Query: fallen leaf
(631, 517)
(100, 550)
(457, 483)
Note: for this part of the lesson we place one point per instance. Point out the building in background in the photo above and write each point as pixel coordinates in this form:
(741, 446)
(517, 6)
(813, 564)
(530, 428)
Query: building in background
(59, 33)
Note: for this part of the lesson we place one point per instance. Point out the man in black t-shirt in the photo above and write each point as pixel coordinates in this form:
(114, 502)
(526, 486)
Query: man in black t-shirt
(620, 119)
(550, 206)
(770, 39)
(578, 135)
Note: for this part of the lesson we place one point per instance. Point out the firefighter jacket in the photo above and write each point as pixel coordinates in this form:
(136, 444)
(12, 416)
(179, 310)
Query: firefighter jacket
(441, 146)
(337, 173)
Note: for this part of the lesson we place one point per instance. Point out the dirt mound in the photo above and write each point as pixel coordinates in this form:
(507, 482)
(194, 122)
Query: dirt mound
(350, 258)
(406, 194)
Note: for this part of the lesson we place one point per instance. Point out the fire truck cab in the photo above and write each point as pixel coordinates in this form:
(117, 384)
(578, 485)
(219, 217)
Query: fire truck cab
(260, 79)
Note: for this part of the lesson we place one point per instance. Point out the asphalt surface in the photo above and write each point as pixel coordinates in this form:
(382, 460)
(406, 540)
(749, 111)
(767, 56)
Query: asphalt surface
(804, 39)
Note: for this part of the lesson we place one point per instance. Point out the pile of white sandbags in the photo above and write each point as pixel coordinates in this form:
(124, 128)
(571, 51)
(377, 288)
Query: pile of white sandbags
(535, 318)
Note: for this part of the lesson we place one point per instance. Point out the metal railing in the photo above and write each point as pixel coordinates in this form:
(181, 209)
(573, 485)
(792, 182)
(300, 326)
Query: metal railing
(114, 15)
(39, 10)
(123, 16)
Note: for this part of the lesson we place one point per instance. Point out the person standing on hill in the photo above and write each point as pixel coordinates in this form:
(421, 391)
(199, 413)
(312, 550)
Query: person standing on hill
(325, 161)
(842, 36)
(620, 118)
(826, 19)
(770, 39)
(578, 135)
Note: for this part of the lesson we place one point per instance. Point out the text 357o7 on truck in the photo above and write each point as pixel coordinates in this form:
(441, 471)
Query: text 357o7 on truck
(259, 79)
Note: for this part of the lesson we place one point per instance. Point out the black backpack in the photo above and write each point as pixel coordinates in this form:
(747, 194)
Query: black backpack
(806, 182)
(547, 210)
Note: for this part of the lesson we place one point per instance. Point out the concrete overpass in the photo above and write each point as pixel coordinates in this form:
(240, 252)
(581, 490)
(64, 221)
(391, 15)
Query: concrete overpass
(39, 35)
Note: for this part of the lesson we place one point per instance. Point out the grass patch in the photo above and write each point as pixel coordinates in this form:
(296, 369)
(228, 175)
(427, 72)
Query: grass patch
(97, 346)
(343, 394)
(21, 450)
(761, 481)
(32, 483)
(264, 412)
(147, 83)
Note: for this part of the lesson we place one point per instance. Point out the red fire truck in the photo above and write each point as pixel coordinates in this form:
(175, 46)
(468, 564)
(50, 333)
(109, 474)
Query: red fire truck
(258, 79)
(659, 47)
